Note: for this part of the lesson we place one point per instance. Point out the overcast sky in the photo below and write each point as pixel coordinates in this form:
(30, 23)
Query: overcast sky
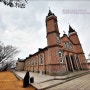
(25, 28)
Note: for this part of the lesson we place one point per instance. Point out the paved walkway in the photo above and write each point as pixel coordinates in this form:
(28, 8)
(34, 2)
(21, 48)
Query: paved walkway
(81, 83)
(38, 78)
(45, 81)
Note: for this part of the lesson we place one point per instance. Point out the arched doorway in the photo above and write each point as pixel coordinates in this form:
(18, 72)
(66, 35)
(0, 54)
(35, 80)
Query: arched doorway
(69, 65)
(73, 62)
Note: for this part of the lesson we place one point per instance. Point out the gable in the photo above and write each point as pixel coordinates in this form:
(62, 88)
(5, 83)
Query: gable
(65, 38)
(67, 43)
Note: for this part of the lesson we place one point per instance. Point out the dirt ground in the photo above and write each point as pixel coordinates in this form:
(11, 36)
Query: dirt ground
(9, 82)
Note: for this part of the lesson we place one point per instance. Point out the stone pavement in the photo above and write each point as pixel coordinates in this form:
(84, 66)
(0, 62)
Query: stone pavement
(38, 78)
(42, 82)
(81, 83)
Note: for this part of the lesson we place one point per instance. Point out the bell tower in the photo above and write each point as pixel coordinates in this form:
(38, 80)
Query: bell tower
(74, 38)
(53, 42)
(53, 37)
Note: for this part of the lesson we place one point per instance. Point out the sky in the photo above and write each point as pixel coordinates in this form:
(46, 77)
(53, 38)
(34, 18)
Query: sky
(26, 28)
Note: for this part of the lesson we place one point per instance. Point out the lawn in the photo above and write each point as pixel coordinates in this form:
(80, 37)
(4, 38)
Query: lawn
(9, 82)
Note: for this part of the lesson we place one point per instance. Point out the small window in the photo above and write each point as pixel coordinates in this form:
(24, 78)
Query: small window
(60, 56)
(35, 62)
(65, 45)
(70, 46)
(41, 59)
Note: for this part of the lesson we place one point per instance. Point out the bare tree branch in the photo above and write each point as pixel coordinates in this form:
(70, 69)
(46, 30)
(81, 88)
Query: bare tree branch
(15, 3)
(7, 54)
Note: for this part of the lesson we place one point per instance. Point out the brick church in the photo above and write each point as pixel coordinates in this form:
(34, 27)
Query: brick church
(62, 54)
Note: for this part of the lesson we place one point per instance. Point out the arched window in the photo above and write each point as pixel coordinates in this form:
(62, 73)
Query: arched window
(35, 62)
(60, 57)
(69, 46)
(41, 59)
(65, 45)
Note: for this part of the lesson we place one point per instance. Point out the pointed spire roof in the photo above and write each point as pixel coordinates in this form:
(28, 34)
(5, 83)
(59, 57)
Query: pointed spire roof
(71, 29)
(50, 16)
(50, 13)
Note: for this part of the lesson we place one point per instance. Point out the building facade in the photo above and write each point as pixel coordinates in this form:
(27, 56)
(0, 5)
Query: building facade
(19, 65)
(62, 54)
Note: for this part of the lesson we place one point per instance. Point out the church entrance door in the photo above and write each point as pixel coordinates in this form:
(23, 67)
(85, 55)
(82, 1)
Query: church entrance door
(69, 67)
(73, 62)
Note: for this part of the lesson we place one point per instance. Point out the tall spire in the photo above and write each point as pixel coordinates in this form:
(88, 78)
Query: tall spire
(71, 29)
(50, 13)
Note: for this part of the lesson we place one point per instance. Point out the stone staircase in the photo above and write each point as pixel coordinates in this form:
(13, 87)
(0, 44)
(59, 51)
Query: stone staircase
(67, 78)
(56, 80)
(73, 75)
(60, 80)
(77, 75)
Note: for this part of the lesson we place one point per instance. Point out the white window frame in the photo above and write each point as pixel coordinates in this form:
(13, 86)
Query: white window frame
(60, 56)
(65, 45)
(41, 60)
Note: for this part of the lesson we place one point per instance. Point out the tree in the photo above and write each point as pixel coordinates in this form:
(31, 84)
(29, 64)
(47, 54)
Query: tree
(7, 54)
(15, 3)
